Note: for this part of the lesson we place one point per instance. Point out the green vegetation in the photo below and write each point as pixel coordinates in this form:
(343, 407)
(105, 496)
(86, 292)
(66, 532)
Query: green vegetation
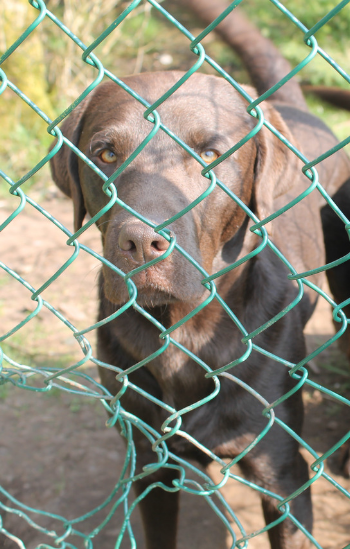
(333, 37)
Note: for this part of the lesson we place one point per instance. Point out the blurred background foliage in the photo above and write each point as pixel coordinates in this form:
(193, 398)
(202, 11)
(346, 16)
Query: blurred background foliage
(48, 67)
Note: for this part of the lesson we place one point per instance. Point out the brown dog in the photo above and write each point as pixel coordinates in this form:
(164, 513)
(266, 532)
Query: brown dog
(210, 117)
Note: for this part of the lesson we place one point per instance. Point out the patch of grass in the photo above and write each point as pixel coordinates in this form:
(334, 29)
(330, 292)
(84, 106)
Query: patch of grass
(24, 353)
(37, 381)
(26, 347)
(4, 391)
(332, 37)
(3, 280)
(53, 393)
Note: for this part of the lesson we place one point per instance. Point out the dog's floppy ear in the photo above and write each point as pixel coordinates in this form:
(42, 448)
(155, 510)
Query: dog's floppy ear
(276, 168)
(64, 165)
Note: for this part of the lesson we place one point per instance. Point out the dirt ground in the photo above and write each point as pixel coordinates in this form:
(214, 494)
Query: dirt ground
(56, 453)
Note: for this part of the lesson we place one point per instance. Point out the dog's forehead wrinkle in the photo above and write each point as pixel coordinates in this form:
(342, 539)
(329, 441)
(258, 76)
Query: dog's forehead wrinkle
(204, 137)
(143, 84)
(120, 132)
(201, 96)
(110, 139)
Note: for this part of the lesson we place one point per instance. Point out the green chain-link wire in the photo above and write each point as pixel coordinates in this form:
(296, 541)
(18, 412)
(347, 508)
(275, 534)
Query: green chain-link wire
(73, 380)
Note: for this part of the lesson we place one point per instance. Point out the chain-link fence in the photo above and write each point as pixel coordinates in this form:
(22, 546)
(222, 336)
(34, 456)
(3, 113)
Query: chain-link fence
(75, 379)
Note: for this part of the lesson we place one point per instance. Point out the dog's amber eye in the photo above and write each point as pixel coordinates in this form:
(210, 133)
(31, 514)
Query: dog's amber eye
(108, 156)
(209, 156)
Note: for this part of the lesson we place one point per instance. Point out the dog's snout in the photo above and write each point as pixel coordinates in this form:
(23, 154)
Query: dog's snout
(141, 242)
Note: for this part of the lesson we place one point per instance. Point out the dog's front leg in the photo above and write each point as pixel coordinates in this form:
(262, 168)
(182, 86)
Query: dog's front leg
(159, 509)
(286, 535)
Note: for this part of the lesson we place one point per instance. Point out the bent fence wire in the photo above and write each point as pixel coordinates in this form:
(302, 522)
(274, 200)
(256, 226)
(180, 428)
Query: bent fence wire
(72, 378)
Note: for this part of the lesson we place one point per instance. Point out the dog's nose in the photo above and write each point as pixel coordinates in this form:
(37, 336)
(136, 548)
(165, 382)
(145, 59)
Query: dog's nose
(141, 242)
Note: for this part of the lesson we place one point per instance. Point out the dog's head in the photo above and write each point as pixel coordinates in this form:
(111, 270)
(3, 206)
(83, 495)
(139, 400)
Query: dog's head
(210, 117)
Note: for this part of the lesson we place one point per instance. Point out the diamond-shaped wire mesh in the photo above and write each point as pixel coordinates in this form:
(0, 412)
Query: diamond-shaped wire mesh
(73, 377)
